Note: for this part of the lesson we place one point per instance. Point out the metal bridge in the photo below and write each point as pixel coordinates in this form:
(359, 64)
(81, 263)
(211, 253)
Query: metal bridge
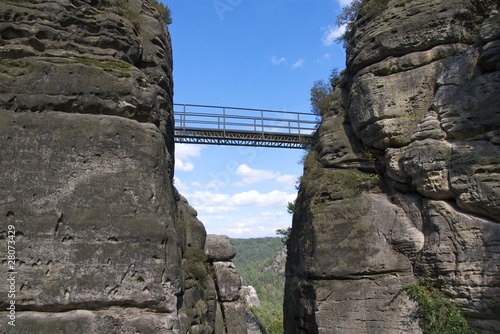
(218, 125)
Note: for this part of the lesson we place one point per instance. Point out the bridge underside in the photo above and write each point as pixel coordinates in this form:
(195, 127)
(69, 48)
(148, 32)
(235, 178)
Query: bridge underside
(242, 138)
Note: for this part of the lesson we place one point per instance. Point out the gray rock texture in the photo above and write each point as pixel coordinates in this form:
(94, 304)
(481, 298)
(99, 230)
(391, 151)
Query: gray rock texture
(228, 281)
(104, 242)
(403, 181)
(86, 167)
(251, 297)
(219, 248)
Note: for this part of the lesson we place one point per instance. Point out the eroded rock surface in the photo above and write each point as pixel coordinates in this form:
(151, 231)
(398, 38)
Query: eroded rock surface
(219, 248)
(104, 242)
(403, 181)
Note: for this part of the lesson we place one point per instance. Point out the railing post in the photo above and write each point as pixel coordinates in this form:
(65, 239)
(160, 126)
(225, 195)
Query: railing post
(298, 124)
(183, 118)
(262, 122)
(224, 120)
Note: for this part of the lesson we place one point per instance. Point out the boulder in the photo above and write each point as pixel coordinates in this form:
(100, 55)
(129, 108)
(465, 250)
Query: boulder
(219, 248)
(235, 317)
(251, 297)
(228, 281)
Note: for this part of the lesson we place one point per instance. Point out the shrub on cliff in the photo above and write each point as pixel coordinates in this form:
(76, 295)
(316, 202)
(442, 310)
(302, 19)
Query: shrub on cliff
(163, 10)
(437, 314)
(125, 8)
(320, 96)
(356, 10)
(321, 93)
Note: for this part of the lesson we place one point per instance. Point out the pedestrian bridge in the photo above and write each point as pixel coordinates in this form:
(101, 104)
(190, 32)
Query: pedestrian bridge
(217, 125)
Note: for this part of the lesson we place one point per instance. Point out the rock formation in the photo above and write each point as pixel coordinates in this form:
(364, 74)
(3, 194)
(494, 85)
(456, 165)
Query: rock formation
(404, 180)
(103, 241)
(231, 302)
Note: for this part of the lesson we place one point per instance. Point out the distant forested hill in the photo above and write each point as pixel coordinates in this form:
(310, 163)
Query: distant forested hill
(261, 263)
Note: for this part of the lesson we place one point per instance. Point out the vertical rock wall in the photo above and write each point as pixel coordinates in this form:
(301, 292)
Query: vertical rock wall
(86, 165)
(103, 241)
(403, 181)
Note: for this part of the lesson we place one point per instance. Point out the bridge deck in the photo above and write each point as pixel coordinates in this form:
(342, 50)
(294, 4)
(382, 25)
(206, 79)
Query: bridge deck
(243, 126)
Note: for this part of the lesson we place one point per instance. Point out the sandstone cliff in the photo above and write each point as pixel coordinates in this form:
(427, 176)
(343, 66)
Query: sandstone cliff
(103, 242)
(404, 180)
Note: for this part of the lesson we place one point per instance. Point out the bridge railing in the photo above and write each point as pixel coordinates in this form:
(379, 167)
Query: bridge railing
(189, 117)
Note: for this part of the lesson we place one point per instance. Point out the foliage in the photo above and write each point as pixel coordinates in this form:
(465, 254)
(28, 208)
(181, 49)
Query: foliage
(320, 96)
(321, 92)
(285, 233)
(355, 10)
(334, 77)
(437, 314)
(349, 13)
(194, 263)
(257, 262)
(346, 183)
(118, 68)
(290, 208)
(124, 8)
(163, 10)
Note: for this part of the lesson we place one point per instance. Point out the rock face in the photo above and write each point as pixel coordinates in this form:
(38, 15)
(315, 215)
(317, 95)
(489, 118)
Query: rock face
(219, 248)
(235, 315)
(403, 181)
(251, 297)
(103, 241)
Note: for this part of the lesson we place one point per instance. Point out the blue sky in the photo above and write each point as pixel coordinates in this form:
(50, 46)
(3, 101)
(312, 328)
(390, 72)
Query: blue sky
(253, 54)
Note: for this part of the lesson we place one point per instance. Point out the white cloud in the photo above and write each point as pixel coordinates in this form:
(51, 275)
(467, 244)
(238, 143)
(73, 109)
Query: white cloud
(327, 56)
(210, 202)
(250, 175)
(254, 226)
(298, 63)
(197, 184)
(332, 33)
(278, 61)
(183, 153)
(180, 185)
(183, 166)
(344, 3)
(287, 179)
(275, 198)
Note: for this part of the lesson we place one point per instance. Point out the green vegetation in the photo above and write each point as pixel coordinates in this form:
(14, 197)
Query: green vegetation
(116, 67)
(14, 67)
(285, 233)
(255, 262)
(194, 266)
(437, 314)
(321, 93)
(346, 183)
(125, 8)
(164, 11)
(356, 10)
(320, 96)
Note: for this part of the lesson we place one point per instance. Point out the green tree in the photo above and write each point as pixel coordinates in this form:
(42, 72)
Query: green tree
(261, 264)
(320, 96)
(354, 11)
(437, 314)
(284, 233)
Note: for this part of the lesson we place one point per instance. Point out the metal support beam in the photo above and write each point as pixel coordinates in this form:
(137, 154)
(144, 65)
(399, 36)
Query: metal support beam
(216, 125)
